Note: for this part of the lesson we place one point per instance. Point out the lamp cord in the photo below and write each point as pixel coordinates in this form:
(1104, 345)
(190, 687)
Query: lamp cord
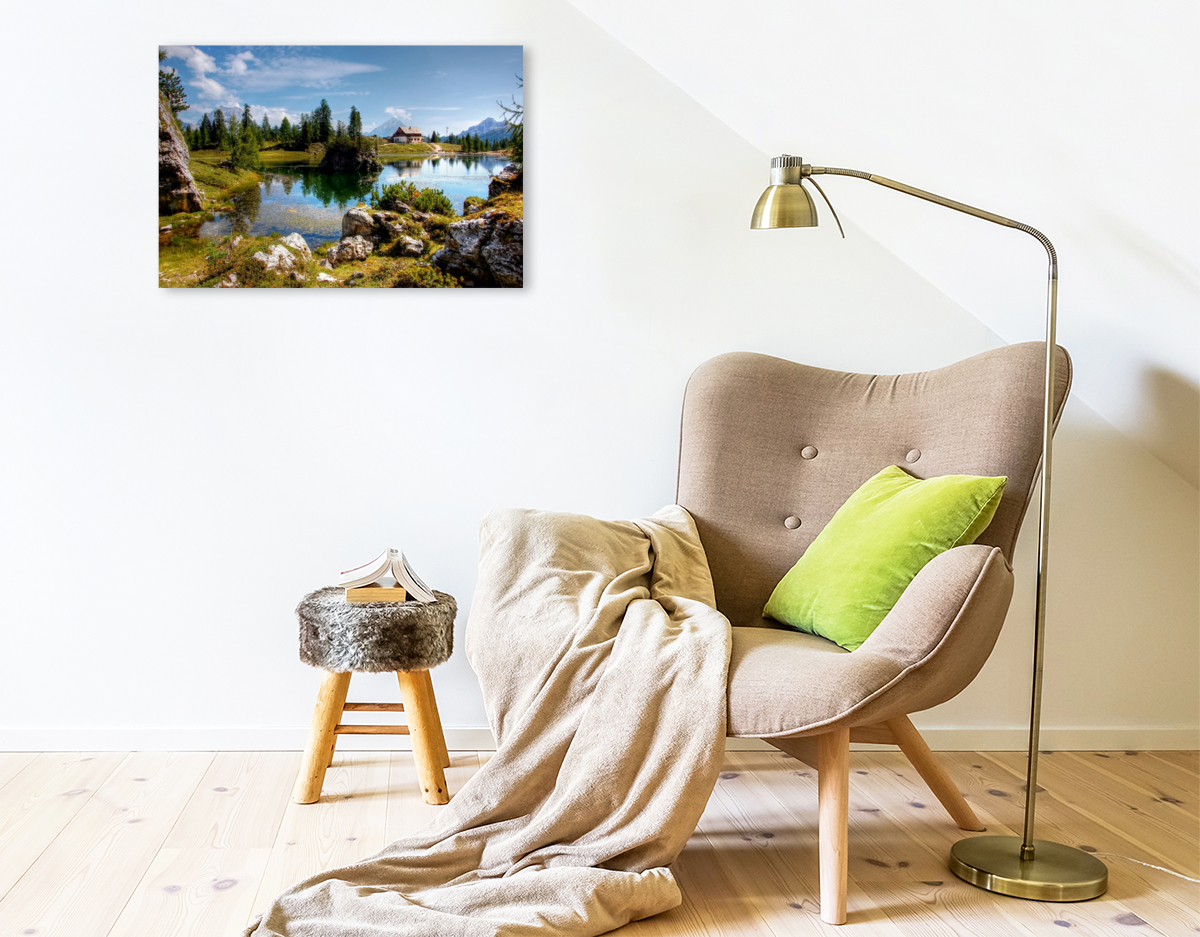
(1117, 855)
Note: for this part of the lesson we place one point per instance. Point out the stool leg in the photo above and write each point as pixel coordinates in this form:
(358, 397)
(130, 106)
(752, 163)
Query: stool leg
(421, 709)
(437, 721)
(331, 699)
(332, 745)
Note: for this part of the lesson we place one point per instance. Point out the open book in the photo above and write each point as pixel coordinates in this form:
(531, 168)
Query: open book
(389, 561)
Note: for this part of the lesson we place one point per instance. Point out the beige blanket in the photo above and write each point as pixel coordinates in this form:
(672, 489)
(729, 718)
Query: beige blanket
(603, 667)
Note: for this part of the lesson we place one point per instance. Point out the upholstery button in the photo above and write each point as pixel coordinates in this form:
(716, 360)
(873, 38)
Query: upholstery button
(808, 452)
(913, 455)
(792, 522)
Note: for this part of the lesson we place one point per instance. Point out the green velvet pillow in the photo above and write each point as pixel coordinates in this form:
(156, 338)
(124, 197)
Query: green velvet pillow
(855, 571)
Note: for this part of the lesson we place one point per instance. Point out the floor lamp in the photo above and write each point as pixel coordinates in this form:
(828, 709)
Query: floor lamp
(1009, 865)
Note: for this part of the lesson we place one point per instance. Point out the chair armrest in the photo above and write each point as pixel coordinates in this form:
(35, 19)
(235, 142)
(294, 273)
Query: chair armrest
(940, 597)
(942, 629)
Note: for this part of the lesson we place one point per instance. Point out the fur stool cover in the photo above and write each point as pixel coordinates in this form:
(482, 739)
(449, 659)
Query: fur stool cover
(338, 636)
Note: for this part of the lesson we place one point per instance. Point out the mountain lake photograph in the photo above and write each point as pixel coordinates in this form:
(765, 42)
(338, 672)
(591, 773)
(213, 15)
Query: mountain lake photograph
(340, 166)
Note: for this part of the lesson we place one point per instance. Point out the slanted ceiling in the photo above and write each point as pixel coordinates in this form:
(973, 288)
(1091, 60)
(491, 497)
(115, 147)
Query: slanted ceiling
(1078, 118)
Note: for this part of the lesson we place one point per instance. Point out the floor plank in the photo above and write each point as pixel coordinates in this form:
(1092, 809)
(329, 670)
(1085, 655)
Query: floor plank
(1171, 815)
(1153, 896)
(41, 800)
(13, 763)
(201, 892)
(943, 906)
(407, 811)
(205, 878)
(1163, 784)
(1188, 761)
(81, 882)
(712, 904)
(239, 802)
(347, 824)
(954, 907)
(1167, 771)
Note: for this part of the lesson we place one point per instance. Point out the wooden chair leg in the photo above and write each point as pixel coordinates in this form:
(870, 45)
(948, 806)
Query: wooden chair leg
(833, 786)
(944, 789)
(437, 720)
(420, 708)
(332, 746)
(331, 699)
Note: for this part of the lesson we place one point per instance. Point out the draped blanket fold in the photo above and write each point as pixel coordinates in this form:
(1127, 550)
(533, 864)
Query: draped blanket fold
(603, 665)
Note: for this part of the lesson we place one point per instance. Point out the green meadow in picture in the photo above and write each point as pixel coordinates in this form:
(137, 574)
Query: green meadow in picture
(335, 167)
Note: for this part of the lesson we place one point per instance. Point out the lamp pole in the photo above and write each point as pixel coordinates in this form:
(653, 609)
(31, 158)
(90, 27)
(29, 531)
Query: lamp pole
(1022, 867)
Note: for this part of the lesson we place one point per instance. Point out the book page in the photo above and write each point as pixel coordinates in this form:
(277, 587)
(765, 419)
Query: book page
(407, 577)
(368, 572)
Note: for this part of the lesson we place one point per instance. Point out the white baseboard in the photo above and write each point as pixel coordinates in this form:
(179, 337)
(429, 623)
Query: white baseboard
(291, 738)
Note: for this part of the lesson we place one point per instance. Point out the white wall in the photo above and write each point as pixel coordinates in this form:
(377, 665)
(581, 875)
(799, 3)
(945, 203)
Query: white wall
(163, 444)
(1075, 116)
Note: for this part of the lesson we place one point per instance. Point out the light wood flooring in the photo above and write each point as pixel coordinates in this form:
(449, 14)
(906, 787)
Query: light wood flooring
(149, 844)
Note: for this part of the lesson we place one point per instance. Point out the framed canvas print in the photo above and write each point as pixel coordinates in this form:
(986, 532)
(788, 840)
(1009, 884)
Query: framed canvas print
(335, 167)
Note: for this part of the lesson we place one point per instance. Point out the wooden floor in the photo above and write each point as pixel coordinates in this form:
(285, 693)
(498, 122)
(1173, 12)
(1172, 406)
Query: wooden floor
(157, 844)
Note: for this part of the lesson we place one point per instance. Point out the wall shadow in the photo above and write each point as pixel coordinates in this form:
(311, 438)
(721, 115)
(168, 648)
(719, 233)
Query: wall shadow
(1172, 428)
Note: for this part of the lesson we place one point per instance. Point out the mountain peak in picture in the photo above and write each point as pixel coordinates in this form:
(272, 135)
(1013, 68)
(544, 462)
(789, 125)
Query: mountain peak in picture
(490, 129)
(388, 127)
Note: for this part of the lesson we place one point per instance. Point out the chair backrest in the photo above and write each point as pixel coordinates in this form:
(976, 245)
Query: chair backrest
(766, 443)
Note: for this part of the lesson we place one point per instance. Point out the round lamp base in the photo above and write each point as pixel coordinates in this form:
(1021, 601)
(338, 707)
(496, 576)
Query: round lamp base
(1055, 873)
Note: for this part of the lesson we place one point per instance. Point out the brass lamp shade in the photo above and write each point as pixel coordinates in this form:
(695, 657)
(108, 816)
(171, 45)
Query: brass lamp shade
(784, 206)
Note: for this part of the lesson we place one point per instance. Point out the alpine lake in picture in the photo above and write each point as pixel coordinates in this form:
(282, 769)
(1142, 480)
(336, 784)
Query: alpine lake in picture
(300, 198)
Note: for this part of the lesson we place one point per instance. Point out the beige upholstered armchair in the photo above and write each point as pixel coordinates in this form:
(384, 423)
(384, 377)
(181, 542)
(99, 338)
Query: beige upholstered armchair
(769, 450)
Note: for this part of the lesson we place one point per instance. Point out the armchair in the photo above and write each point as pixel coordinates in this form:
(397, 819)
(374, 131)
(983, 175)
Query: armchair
(769, 450)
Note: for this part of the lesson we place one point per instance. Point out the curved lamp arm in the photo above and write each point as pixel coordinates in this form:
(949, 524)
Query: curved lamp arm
(792, 170)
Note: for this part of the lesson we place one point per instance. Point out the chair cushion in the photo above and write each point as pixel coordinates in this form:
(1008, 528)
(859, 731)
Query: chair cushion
(781, 680)
(861, 563)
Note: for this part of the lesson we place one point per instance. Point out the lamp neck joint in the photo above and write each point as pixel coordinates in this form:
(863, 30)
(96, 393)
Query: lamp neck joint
(788, 170)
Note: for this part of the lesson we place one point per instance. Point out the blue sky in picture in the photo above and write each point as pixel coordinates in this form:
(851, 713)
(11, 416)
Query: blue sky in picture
(431, 87)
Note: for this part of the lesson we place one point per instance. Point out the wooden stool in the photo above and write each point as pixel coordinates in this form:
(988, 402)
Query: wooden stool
(405, 637)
